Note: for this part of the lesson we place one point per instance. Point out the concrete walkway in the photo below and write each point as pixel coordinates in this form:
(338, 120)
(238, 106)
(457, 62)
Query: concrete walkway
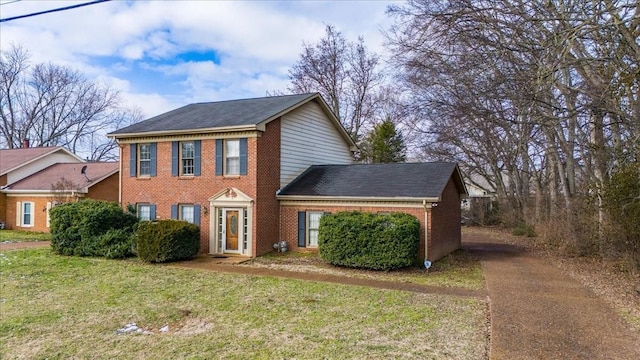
(537, 312)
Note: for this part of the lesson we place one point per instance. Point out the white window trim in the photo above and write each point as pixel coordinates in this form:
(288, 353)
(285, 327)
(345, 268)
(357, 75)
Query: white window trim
(181, 213)
(140, 160)
(226, 157)
(138, 206)
(193, 159)
(308, 227)
(20, 214)
(49, 206)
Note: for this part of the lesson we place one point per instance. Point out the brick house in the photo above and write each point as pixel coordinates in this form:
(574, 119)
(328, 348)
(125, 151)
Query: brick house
(226, 165)
(32, 180)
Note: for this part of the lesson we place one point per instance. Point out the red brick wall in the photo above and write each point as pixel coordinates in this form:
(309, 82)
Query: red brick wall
(107, 189)
(289, 219)
(446, 232)
(164, 190)
(267, 219)
(39, 213)
(3, 200)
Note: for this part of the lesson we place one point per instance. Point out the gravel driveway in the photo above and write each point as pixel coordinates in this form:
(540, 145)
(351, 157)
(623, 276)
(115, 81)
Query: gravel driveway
(537, 312)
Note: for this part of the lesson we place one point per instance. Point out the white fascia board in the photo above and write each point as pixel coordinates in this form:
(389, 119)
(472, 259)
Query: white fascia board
(357, 198)
(184, 132)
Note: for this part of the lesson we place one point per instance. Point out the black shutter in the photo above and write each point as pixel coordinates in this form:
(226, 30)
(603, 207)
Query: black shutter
(133, 159)
(302, 229)
(197, 145)
(174, 211)
(219, 156)
(152, 212)
(154, 159)
(243, 156)
(196, 214)
(175, 153)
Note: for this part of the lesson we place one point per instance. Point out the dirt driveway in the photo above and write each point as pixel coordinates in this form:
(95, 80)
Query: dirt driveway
(537, 312)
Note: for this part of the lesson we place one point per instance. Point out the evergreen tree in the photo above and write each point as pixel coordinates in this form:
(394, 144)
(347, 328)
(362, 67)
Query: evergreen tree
(383, 145)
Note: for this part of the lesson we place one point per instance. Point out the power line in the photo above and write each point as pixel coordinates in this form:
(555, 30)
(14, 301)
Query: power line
(9, 2)
(52, 10)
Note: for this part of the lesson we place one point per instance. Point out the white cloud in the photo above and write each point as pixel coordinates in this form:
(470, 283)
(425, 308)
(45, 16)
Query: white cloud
(257, 42)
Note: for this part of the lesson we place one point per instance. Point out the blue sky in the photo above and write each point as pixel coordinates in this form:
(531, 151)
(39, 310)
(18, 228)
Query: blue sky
(164, 54)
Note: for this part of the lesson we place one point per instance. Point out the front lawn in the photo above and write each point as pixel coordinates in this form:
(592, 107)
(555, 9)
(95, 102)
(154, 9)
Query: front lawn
(459, 269)
(21, 236)
(66, 307)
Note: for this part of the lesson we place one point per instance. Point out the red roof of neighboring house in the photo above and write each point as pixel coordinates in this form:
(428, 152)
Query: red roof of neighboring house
(13, 158)
(44, 179)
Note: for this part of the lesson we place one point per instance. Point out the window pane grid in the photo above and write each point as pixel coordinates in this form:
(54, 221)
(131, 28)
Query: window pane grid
(145, 159)
(245, 228)
(220, 230)
(232, 155)
(144, 212)
(313, 226)
(26, 213)
(186, 213)
(188, 155)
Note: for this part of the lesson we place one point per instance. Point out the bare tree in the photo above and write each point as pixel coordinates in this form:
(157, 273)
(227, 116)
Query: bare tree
(345, 74)
(53, 105)
(540, 98)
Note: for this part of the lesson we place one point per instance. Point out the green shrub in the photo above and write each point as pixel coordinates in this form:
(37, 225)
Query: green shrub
(116, 243)
(167, 240)
(524, 230)
(91, 228)
(369, 241)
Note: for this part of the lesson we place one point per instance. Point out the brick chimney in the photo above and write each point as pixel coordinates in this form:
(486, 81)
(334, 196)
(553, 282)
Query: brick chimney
(25, 143)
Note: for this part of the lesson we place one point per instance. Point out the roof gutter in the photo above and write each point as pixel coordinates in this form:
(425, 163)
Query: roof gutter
(43, 192)
(184, 132)
(358, 198)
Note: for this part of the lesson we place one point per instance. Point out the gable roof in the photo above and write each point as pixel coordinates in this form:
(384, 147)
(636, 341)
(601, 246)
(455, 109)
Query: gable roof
(11, 159)
(231, 115)
(394, 180)
(44, 179)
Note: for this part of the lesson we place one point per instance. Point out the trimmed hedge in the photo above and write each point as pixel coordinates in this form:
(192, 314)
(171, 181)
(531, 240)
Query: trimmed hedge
(369, 241)
(92, 228)
(167, 240)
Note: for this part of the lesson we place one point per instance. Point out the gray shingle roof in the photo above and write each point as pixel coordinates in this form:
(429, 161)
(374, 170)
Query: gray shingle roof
(217, 114)
(402, 180)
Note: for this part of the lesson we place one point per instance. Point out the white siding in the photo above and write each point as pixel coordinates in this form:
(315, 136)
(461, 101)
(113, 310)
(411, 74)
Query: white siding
(308, 137)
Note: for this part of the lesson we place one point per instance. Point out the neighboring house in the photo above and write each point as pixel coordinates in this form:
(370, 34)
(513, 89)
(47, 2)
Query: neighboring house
(222, 165)
(478, 206)
(32, 180)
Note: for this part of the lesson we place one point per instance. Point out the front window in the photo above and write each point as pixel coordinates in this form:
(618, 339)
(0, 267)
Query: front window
(187, 213)
(144, 212)
(144, 159)
(232, 157)
(187, 154)
(313, 226)
(27, 214)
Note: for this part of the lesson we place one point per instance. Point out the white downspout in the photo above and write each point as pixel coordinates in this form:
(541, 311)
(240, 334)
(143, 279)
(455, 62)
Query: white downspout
(426, 231)
(120, 175)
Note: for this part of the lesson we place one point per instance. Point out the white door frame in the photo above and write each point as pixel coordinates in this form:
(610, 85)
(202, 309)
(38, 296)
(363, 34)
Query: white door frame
(230, 198)
(240, 230)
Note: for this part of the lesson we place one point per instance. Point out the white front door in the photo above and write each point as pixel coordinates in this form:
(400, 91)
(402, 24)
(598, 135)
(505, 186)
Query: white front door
(232, 226)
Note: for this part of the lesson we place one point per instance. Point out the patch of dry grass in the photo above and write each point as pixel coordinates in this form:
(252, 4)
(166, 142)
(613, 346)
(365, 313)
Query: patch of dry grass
(65, 307)
(460, 269)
